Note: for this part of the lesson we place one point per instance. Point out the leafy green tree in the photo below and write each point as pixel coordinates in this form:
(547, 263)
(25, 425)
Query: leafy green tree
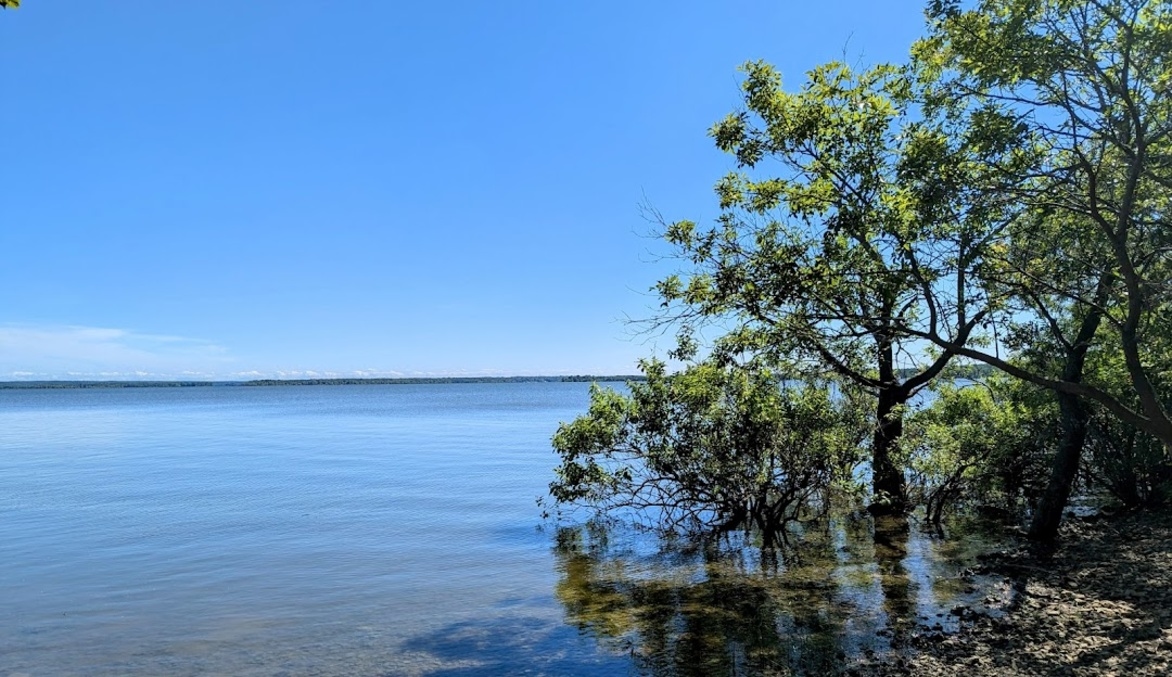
(710, 450)
(1056, 335)
(1040, 260)
(1087, 263)
(852, 218)
(973, 443)
(1091, 80)
(1130, 464)
(9, 3)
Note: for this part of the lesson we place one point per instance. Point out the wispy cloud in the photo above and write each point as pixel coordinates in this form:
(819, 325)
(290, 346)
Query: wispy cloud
(29, 352)
(69, 352)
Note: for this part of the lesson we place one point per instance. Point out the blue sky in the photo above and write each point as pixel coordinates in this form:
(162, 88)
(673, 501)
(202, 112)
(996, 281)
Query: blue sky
(292, 188)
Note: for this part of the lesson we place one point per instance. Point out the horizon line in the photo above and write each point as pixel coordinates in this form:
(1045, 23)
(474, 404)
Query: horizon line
(401, 380)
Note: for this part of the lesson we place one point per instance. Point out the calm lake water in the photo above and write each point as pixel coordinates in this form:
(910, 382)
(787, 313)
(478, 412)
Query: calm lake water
(390, 530)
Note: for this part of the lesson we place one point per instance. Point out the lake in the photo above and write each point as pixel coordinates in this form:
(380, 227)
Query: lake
(391, 530)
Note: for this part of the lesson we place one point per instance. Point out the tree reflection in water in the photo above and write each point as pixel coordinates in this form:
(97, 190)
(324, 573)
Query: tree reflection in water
(841, 593)
(899, 593)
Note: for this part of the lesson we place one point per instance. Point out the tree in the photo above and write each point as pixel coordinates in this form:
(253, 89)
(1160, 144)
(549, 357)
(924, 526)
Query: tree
(1048, 258)
(9, 3)
(1091, 81)
(709, 450)
(1129, 463)
(870, 218)
(974, 442)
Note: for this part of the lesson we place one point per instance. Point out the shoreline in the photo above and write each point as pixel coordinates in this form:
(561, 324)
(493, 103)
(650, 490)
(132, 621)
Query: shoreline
(1099, 602)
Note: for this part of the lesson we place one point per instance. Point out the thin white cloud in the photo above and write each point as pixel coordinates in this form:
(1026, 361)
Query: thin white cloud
(45, 353)
(29, 352)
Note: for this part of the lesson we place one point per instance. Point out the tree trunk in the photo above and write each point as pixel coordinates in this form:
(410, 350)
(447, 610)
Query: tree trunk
(887, 479)
(1074, 417)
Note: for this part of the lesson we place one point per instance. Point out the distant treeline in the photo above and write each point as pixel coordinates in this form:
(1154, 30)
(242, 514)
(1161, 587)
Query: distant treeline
(438, 379)
(63, 385)
(969, 372)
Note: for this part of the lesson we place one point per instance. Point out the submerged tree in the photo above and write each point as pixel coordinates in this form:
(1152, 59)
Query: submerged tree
(710, 450)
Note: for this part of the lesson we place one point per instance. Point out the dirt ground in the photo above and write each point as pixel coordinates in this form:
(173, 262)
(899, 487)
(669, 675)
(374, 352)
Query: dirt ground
(1099, 603)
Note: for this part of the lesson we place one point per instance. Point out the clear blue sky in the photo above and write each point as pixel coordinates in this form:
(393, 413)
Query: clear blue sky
(224, 190)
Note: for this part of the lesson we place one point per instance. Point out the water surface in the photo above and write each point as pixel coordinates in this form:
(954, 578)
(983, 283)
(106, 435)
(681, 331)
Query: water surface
(387, 530)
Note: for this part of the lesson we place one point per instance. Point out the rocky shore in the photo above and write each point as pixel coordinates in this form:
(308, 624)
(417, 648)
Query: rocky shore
(1099, 603)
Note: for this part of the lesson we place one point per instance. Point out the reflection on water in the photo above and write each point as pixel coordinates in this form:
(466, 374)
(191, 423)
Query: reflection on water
(898, 590)
(390, 531)
(851, 589)
(365, 530)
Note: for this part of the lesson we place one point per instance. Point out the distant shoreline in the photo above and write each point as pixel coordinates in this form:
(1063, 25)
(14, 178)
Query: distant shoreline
(79, 385)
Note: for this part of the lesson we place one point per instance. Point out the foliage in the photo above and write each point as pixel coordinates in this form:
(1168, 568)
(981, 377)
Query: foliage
(977, 443)
(710, 449)
(992, 442)
(853, 217)
(1090, 80)
(1133, 466)
(9, 3)
(1006, 198)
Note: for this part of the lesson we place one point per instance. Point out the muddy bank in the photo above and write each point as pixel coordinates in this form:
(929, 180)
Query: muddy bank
(1100, 603)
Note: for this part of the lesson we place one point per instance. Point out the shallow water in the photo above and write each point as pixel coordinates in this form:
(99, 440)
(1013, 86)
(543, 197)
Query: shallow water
(389, 530)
